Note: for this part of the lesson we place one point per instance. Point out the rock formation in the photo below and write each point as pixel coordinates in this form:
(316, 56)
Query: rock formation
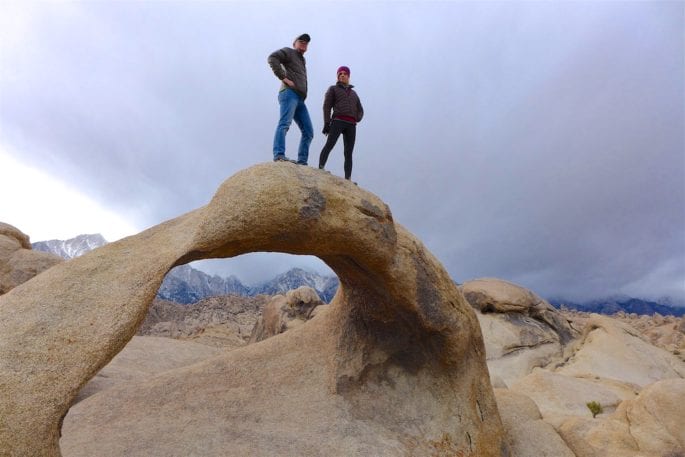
(283, 313)
(612, 365)
(225, 321)
(553, 372)
(394, 366)
(527, 433)
(650, 425)
(612, 350)
(667, 332)
(521, 330)
(559, 396)
(561, 399)
(18, 262)
(499, 296)
(146, 356)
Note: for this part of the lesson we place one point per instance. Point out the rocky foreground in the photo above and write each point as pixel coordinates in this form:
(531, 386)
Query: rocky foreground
(401, 362)
(546, 365)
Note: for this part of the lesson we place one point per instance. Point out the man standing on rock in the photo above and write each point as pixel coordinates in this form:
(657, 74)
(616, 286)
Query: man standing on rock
(289, 66)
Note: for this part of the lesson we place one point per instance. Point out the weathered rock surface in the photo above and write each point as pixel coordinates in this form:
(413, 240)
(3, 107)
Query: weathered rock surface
(144, 357)
(521, 330)
(283, 313)
(612, 350)
(491, 295)
(609, 364)
(16, 235)
(666, 332)
(538, 353)
(528, 434)
(18, 262)
(515, 344)
(650, 425)
(395, 365)
(558, 396)
(226, 321)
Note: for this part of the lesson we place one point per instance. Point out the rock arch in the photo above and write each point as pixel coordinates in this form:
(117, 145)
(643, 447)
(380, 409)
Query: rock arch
(397, 362)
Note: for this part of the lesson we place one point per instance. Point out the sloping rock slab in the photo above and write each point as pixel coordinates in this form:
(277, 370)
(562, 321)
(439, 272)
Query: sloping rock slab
(650, 425)
(144, 357)
(559, 396)
(528, 435)
(515, 344)
(613, 350)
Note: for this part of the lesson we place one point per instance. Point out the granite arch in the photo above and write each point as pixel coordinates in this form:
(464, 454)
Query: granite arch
(397, 325)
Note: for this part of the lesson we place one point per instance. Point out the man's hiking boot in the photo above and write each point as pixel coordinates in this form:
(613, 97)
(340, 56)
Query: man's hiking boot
(323, 169)
(282, 158)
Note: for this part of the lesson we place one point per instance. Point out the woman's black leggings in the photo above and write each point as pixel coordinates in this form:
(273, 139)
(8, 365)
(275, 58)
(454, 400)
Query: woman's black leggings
(349, 132)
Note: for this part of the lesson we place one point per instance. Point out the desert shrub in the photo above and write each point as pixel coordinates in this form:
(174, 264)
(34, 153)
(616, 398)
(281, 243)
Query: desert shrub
(594, 407)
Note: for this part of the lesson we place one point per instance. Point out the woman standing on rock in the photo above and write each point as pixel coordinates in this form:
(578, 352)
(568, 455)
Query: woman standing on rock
(346, 110)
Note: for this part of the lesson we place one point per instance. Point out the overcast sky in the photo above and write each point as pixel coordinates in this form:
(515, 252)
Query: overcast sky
(538, 142)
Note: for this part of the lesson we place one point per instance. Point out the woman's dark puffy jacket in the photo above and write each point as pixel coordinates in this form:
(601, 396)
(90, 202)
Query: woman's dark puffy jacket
(343, 101)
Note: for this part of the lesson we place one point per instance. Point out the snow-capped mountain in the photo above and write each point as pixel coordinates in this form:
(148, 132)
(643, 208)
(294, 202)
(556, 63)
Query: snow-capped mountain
(185, 284)
(74, 247)
(326, 286)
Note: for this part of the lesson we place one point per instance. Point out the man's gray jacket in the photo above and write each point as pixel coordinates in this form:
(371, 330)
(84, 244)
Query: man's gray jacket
(289, 63)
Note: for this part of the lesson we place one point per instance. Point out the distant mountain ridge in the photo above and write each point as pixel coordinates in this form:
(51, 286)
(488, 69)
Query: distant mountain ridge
(628, 305)
(326, 286)
(74, 247)
(186, 285)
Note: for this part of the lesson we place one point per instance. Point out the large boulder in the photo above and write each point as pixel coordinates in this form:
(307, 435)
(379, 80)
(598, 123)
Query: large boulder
(527, 433)
(17, 236)
(491, 295)
(394, 366)
(521, 330)
(285, 312)
(515, 344)
(18, 262)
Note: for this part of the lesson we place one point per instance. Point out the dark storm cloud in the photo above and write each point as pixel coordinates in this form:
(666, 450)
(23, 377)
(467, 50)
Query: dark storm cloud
(536, 142)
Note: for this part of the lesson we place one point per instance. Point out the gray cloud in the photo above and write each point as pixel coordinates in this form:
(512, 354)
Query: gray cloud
(537, 142)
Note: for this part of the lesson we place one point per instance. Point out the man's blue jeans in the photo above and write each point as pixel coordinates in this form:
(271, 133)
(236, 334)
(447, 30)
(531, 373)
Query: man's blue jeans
(293, 108)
